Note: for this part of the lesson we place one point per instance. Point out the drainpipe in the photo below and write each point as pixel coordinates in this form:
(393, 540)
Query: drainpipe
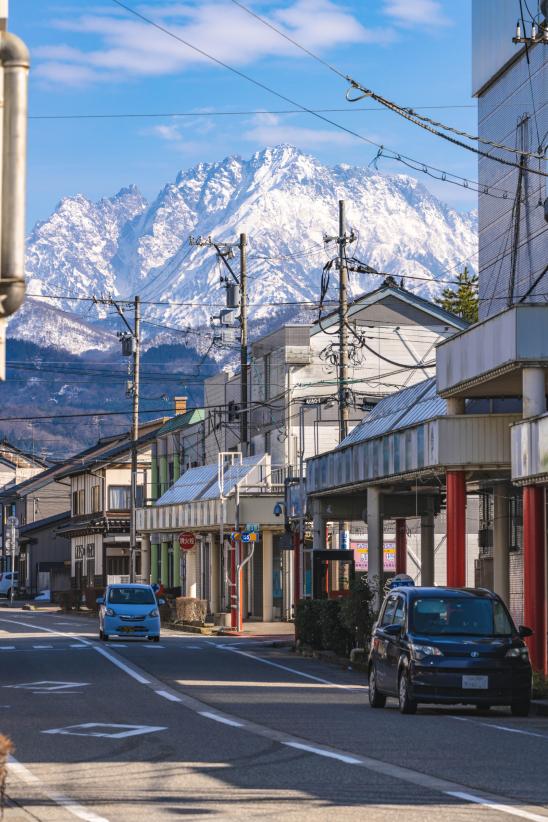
(14, 67)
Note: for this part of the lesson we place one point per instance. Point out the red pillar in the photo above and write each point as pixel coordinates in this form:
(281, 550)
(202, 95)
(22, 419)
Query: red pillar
(401, 546)
(534, 606)
(456, 529)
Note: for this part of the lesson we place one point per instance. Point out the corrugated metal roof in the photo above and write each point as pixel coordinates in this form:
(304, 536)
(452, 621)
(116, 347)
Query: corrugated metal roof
(188, 418)
(190, 485)
(407, 407)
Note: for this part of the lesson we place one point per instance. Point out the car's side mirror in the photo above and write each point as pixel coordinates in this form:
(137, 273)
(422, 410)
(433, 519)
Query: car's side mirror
(393, 630)
(100, 600)
(161, 601)
(524, 631)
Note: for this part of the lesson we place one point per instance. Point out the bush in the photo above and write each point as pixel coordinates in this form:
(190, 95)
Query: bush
(540, 686)
(337, 625)
(70, 599)
(357, 612)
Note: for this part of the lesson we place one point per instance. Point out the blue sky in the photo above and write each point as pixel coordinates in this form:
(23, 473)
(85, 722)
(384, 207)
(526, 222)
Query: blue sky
(96, 58)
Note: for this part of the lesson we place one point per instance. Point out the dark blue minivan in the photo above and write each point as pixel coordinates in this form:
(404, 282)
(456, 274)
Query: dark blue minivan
(450, 646)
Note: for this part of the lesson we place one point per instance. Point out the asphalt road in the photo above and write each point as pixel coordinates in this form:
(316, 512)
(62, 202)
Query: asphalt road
(223, 728)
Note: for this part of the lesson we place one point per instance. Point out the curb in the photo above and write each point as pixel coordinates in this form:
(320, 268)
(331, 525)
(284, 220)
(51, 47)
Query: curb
(539, 707)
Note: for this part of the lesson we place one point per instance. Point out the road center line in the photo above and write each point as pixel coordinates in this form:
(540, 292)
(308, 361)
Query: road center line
(167, 695)
(349, 760)
(495, 806)
(223, 719)
(18, 769)
(119, 664)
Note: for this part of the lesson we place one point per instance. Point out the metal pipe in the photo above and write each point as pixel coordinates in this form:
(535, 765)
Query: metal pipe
(14, 63)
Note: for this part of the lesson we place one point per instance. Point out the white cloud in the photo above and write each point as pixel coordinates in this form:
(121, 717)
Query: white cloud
(124, 47)
(270, 129)
(408, 13)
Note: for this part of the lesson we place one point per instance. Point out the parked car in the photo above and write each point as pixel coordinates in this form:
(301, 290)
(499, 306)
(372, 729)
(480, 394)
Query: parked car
(9, 580)
(449, 646)
(43, 596)
(129, 610)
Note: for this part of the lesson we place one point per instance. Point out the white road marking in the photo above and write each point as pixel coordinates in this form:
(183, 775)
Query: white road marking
(167, 695)
(500, 727)
(495, 806)
(47, 685)
(77, 646)
(119, 664)
(69, 805)
(7, 647)
(42, 647)
(153, 645)
(86, 729)
(49, 631)
(350, 760)
(354, 688)
(223, 719)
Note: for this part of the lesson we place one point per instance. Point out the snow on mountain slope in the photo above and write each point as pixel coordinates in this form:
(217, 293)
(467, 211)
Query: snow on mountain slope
(45, 326)
(283, 199)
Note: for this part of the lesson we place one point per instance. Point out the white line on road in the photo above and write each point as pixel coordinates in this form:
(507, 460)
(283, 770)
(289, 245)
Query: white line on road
(500, 727)
(350, 760)
(354, 688)
(167, 695)
(18, 769)
(223, 719)
(42, 647)
(7, 647)
(119, 664)
(495, 806)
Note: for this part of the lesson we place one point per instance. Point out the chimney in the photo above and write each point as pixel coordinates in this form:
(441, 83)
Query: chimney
(180, 404)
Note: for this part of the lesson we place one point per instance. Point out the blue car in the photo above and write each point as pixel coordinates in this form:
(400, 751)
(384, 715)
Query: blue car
(129, 610)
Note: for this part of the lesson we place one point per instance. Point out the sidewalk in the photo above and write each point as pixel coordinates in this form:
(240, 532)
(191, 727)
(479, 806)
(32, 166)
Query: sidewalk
(263, 630)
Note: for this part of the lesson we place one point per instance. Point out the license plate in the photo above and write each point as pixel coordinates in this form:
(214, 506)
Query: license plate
(477, 683)
(127, 628)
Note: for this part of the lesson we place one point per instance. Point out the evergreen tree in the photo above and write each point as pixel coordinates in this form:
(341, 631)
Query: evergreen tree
(462, 300)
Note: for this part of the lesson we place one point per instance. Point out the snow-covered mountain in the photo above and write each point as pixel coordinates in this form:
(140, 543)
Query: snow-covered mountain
(285, 200)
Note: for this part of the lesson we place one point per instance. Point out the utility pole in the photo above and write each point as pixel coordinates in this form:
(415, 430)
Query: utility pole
(134, 438)
(236, 297)
(343, 326)
(243, 344)
(131, 347)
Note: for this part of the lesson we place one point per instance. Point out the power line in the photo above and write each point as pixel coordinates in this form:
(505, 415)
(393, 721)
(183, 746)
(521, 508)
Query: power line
(385, 152)
(129, 115)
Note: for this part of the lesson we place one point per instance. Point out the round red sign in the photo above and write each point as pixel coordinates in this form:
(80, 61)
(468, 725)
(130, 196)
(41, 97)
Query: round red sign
(187, 540)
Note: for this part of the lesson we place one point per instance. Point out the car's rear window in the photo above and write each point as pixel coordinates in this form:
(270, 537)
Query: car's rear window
(131, 596)
(473, 616)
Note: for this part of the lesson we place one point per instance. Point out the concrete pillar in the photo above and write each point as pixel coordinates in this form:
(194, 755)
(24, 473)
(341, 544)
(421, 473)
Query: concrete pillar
(145, 557)
(534, 392)
(375, 544)
(154, 476)
(501, 542)
(164, 562)
(427, 548)
(455, 406)
(534, 574)
(162, 470)
(154, 562)
(401, 546)
(176, 564)
(456, 529)
(215, 576)
(267, 576)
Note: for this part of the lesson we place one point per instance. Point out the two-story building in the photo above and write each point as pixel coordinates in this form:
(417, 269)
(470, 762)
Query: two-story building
(100, 493)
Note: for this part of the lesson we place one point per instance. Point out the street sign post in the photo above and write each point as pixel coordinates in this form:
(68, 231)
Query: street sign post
(187, 540)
